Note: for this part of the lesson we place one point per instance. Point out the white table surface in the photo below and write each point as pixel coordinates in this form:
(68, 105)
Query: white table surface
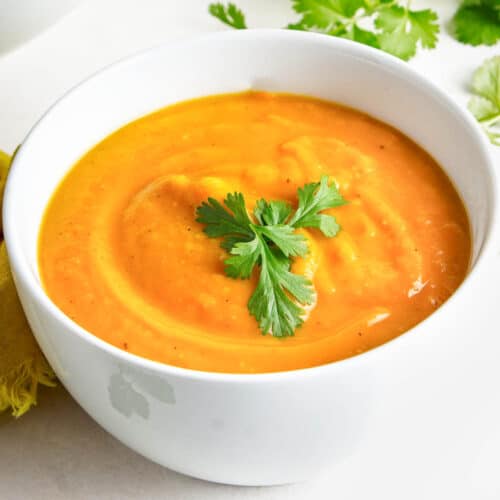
(57, 452)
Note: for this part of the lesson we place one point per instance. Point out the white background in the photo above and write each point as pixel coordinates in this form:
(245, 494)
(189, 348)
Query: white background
(57, 452)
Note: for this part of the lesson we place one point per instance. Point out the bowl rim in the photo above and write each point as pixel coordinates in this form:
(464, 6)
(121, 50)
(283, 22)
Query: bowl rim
(19, 263)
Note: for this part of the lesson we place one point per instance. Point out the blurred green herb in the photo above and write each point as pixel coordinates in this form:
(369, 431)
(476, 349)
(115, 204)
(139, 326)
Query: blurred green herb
(485, 104)
(477, 22)
(230, 15)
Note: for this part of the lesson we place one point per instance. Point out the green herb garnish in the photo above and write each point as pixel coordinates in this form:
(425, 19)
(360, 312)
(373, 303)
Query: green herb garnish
(269, 240)
(485, 104)
(385, 24)
(477, 22)
(230, 15)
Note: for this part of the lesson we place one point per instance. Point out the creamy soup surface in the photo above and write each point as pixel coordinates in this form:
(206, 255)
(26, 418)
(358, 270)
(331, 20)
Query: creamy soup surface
(121, 254)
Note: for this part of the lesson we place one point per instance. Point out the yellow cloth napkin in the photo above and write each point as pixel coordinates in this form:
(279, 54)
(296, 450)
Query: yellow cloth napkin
(22, 365)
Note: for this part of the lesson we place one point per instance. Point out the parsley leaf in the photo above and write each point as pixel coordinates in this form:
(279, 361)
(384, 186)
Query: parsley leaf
(384, 24)
(485, 104)
(313, 198)
(272, 307)
(244, 257)
(335, 17)
(229, 15)
(477, 22)
(401, 29)
(274, 212)
(218, 221)
(278, 299)
(285, 238)
(360, 35)
(270, 242)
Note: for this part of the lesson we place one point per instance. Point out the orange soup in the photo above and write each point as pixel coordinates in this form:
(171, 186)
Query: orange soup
(120, 251)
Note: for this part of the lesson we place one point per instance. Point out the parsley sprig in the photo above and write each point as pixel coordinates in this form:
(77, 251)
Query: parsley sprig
(269, 240)
(389, 25)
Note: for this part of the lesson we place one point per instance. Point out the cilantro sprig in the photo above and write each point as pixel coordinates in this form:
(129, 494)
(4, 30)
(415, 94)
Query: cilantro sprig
(268, 240)
(389, 25)
(485, 104)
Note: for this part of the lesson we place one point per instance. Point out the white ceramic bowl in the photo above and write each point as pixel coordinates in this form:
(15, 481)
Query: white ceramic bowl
(246, 429)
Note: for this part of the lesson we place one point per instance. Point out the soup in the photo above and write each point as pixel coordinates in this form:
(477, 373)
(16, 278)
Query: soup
(121, 252)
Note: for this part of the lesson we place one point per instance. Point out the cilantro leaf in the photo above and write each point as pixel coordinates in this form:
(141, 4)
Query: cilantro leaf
(271, 242)
(313, 198)
(401, 29)
(219, 222)
(424, 27)
(273, 308)
(274, 212)
(327, 16)
(244, 257)
(229, 15)
(485, 104)
(277, 302)
(285, 238)
(365, 37)
(477, 22)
